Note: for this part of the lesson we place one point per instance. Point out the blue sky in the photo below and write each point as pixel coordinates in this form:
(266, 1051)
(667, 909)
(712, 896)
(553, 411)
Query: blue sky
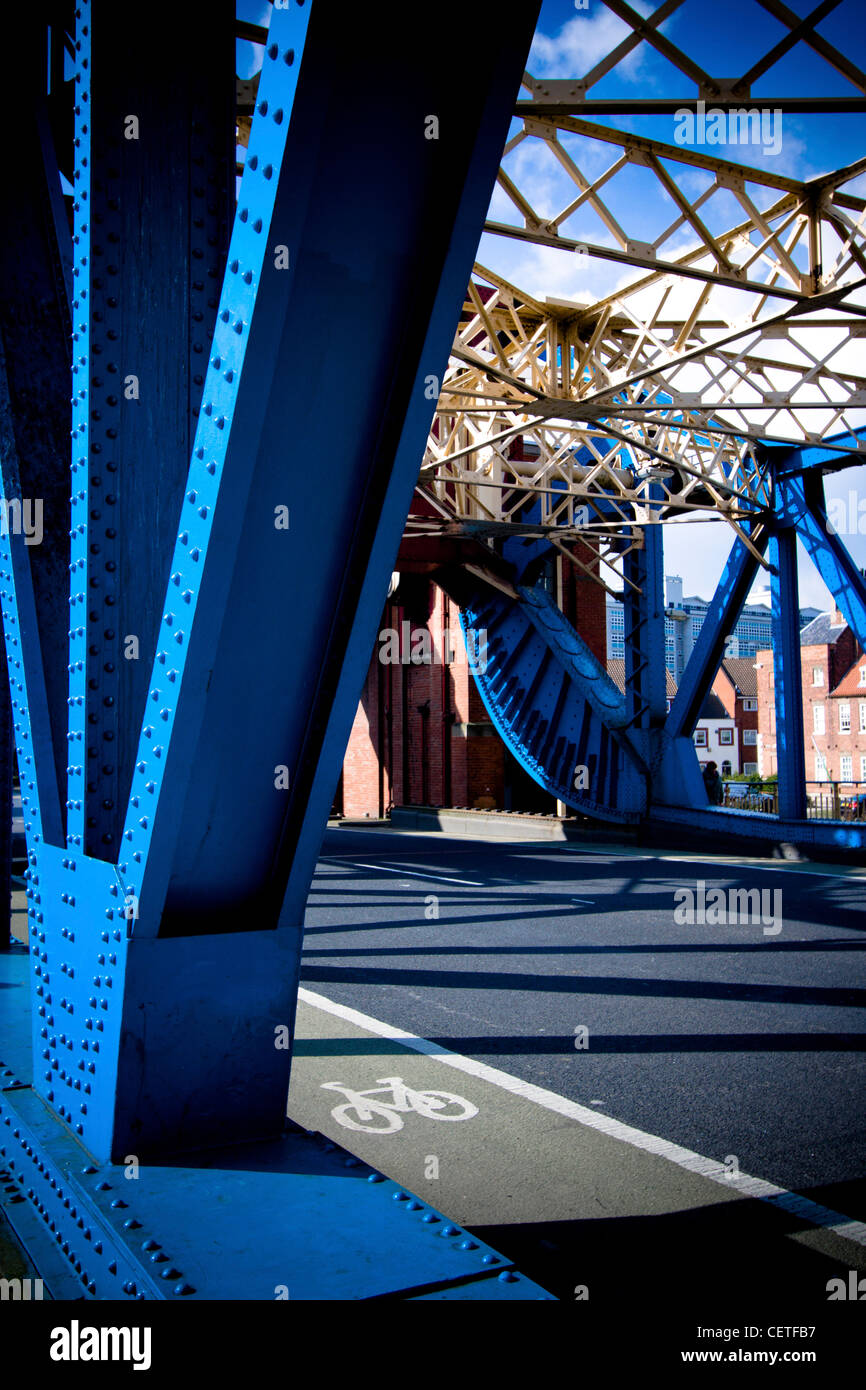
(725, 39)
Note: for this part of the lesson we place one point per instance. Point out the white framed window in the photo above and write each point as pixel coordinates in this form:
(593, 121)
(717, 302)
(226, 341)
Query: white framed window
(700, 738)
(821, 773)
(750, 736)
(817, 675)
(844, 717)
(818, 724)
(863, 767)
(847, 768)
(749, 768)
(726, 736)
(863, 716)
(863, 675)
(749, 702)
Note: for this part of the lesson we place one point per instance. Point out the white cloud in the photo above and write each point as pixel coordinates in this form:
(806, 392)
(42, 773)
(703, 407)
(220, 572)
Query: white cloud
(582, 42)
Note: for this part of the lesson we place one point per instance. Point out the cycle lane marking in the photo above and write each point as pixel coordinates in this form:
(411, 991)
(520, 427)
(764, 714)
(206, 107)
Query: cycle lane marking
(404, 1100)
(779, 1198)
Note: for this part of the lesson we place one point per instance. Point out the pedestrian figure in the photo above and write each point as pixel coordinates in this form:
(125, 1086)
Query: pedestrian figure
(713, 784)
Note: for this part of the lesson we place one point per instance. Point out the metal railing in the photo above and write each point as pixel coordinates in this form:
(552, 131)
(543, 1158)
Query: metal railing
(844, 801)
(751, 796)
(836, 800)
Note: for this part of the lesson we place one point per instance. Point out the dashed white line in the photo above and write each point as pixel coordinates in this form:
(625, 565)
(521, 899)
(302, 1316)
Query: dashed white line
(778, 1197)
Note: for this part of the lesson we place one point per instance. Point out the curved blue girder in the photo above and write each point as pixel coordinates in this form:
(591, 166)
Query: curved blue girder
(553, 703)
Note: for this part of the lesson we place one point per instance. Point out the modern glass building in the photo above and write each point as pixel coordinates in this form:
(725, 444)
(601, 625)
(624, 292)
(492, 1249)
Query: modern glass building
(684, 617)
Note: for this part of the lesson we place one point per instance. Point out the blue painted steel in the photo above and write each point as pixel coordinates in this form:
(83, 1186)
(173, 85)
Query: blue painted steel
(273, 570)
(296, 1214)
(802, 504)
(731, 593)
(763, 828)
(553, 703)
(34, 427)
(159, 982)
(157, 155)
(788, 676)
(845, 450)
(644, 622)
(6, 744)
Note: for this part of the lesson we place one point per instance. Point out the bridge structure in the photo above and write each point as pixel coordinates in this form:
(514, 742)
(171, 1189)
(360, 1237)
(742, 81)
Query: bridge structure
(219, 509)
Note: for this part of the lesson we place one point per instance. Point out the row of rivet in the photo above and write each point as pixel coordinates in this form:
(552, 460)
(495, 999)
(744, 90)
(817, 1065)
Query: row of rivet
(257, 197)
(81, 362)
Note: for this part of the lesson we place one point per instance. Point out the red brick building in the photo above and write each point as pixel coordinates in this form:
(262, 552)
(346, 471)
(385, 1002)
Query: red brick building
(736, 685)
(834, 703)
(422, 735)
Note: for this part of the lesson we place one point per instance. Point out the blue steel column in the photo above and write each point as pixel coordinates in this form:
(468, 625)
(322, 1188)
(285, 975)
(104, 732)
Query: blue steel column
(644, 620)
(165, 964)
(788, 676)
(802, 500)
(155, 169)
(35, 410)
(5, 803)
(731, 593)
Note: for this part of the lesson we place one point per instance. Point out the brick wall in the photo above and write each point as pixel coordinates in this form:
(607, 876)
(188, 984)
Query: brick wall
(422, 734)
(743, 718)
(832, 662)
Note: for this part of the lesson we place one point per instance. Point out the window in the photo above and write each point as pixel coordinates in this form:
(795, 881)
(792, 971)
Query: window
(750, 736)
(726, 736)
(821, 774)
(726, 768)
(844, 717)
(750, 702)
(863, 767)
(818, 719)
(700, 738)
(863, 716)
(847, 769)
(817, 675)
(863, 675)
(749, 768)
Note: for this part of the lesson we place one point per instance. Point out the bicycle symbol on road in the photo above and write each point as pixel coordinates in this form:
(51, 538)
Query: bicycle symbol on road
(382, 1116)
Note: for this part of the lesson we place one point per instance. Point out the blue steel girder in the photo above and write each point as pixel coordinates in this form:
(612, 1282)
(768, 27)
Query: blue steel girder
(738, 576)
(254, 578)
(801, 505)
(644, 623)
(845, 450)
(35, 416)
(154, 178)
(787, 673)
(552, 702)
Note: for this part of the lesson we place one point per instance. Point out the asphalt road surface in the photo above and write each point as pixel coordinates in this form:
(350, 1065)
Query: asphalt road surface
(622, 1074)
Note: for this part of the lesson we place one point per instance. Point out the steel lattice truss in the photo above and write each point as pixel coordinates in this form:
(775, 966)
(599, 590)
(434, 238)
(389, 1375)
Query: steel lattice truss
(740, 325)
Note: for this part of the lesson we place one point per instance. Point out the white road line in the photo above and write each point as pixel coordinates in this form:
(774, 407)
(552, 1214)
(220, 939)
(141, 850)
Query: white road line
(590, 902)
(778, 1197)
(781, 866)
(411, 873)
